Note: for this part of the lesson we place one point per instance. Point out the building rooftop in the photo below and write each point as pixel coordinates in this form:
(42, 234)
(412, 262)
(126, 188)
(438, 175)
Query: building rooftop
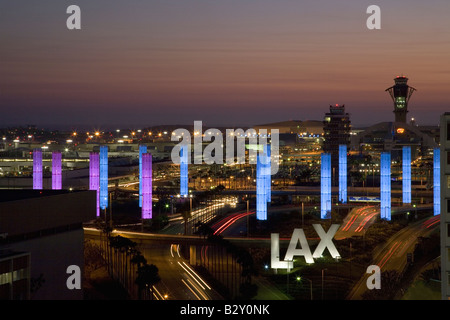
(14, 195)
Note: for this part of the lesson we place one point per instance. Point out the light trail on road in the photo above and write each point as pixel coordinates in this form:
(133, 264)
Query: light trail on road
(361, 212)
(389, 254)
(191, 279)
(221, 226)
(431, 222)
(366, 220)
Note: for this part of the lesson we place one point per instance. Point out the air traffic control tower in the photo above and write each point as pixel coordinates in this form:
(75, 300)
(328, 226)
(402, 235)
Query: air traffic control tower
(401, 93)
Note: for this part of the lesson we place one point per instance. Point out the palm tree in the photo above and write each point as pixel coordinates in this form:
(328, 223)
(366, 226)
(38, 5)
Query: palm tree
(126, 248)
(147, 277)
(136, 261)
(106, 232)
(114, 245)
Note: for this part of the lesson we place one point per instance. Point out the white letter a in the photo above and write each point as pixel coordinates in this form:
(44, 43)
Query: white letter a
(374, 280)
(374, 21)
(74, 21)
(74, 281)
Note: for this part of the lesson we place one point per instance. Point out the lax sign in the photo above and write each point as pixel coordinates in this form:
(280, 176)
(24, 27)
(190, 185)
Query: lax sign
(326, 241)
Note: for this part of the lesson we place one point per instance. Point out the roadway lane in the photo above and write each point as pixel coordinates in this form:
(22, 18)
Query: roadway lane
(393, 253)
(178, 279)
(357, 221)
(204, 215)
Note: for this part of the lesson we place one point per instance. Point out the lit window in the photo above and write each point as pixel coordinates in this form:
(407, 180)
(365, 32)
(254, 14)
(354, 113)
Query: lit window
(5, 278)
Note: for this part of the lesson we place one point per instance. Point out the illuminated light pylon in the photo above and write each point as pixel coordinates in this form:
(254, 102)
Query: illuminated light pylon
(436, 181)
(343, 173)
(142, 150)
(406, 174)
(56, 170)
(184, 179)
(147, 185)
(263, 182)
(94, 177)
(37, 169)
(103, 177)
(325, 186)
(385, 186)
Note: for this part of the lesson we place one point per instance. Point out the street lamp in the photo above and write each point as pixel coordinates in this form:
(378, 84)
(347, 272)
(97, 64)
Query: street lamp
(322, 280)
(310, 284)
(303, 212)
(288, 270)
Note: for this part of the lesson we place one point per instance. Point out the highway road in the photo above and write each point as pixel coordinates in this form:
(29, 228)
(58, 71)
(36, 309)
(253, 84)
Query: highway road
(392, 255)
(204, 215)
(178, 279)
(357, 221)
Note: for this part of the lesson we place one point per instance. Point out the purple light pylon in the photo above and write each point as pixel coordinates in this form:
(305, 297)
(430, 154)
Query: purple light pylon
(147, 186)
(56, 170)
(94, 176)
(37, 169)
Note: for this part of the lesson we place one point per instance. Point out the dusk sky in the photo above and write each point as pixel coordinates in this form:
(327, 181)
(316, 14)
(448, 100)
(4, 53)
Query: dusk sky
(225, 62)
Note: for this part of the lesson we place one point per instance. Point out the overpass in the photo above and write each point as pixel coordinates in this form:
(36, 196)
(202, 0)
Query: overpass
(143, 237)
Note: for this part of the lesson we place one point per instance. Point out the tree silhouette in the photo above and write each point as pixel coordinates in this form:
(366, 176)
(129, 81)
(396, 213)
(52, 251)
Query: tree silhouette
(147, 277)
